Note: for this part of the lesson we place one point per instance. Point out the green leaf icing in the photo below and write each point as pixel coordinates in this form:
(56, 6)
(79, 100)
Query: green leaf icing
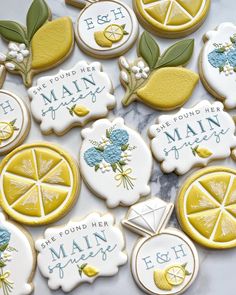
(13, 31)
(176, 55)
(148, 49)
(37, 15)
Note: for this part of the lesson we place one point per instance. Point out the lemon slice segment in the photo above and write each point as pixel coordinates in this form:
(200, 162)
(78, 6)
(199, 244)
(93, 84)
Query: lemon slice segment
(159, 11)
(190, 6)
(6, 131)
(177, 16)
(175, 275)
(40, 183)
(206, 207)
(114, 33)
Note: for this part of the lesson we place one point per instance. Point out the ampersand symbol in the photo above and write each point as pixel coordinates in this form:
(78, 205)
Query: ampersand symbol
(102, 19)
(163, 257)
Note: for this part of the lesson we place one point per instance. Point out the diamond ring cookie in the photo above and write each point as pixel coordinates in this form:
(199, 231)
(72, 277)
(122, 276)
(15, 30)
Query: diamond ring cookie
(38, 46)
(105, 28)
(206, 207)
(192, 137)
(39, 183)
(172, 18)
(81, 251)
(15, 121)
(111, 162)
(16, 247)
(217, 63)
(164, 261)
(71, 98)
(148, 78)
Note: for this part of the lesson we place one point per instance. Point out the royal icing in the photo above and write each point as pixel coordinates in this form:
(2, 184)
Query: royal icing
(71, 97)
(148, 78)
(192, 137)
(105, 28)
(14, 121)
(16, 247)
(111, 162)
(173, 18)
(39, 183)
(39, 45)
(164, 261)
(81, 251)
(218, 63)
(206, 207)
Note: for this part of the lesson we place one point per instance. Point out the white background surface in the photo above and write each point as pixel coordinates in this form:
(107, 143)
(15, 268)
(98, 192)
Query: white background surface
(217, 268)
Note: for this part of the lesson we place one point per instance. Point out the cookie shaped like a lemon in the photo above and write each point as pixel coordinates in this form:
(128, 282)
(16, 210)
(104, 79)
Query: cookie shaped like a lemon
(52, 43)
(207, 207)
(168, 88)
(40, 183)
(172, 18)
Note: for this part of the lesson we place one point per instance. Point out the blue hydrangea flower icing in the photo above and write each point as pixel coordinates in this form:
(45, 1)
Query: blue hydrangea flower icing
(93, 156)
(112, 154)
(119, 137)
(217, 59)
(4, 237)
(231, 55)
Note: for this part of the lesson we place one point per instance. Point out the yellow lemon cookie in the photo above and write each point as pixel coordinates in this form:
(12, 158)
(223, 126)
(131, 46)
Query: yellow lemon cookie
(38, 46)
(207, 207)
(39, 183)
(159, 80)
(172, 18)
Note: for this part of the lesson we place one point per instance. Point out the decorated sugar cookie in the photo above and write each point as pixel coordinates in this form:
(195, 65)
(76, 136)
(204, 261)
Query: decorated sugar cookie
(111, 162)
(217, 63)
(71, 98)
(17, 259)
(206, 207)
(172, 19)
(81, 251)
(192, 137)
(148, 78)
(164, 260)
(39, 45)
(39, 183)
(14, 121)
(105, 28)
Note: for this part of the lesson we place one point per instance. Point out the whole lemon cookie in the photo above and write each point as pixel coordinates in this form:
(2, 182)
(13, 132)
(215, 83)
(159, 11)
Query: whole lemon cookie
(38, 46)
(206, 207)
(39, 183)
(172, 18)
(159, 80)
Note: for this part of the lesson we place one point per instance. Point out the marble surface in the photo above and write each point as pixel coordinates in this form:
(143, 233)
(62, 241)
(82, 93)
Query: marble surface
(216, 276)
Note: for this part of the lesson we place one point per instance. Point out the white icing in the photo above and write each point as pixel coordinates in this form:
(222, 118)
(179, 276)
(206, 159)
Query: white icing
(96, 17)
(108, 185)
(224, 86)
(21, 252)
(62, 271)
(176, 154)
(13, 108)
(85, 85)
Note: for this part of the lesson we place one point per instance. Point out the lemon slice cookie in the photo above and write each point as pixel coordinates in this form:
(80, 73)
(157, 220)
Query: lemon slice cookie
(158, 80)
(172, 18)
(15, 121)
(38, 46)
(105, 28)
(206, 207)
(39, 183)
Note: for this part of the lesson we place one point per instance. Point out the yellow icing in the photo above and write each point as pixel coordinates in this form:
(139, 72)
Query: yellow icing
(52, 43)
(168, 88)
(161, 281)
(172, 18)
(40, 183)
(6, 130)
(101, 40)
(207, 207)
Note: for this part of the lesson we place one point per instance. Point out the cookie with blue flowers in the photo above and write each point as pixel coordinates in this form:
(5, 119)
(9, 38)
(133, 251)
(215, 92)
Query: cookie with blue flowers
(217, 63)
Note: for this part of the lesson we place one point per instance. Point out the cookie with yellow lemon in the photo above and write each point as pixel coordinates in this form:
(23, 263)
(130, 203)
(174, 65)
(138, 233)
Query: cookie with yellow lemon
(172, 18)
(40, 182)
(159, 80)
(38, 46)
(98, 249)
(206, 207)
(164, 261)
